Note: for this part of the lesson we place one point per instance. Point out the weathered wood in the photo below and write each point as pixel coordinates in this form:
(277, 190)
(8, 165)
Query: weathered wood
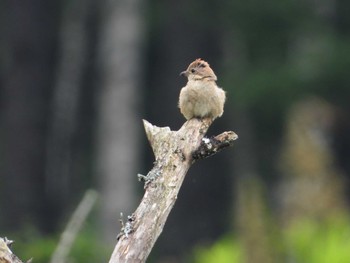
(173, 152)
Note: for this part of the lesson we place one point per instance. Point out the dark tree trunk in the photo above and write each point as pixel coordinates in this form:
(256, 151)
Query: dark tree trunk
(64, 118)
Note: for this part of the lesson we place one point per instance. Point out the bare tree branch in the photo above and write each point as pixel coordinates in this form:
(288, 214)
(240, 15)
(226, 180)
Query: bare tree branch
(173, 152)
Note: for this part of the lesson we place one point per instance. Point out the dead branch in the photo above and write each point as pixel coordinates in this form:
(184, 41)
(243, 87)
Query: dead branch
(174, 153)
(215, 144)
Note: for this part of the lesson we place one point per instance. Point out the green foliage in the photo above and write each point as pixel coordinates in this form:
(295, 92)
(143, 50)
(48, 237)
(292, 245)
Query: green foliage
(30, 244)
(266, 26)
(225, 250)
(89, 248)
(315, 242)
(333, 81)
(40, 249)
(278, 52)
(266, 87)
(306, 241)
(86, 248)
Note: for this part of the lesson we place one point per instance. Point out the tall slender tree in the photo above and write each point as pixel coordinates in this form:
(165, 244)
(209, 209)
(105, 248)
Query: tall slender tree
(118, 106)
(62, 122)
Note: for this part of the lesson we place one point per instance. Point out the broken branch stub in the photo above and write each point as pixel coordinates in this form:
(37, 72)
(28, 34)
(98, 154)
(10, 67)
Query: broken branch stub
(215, 144)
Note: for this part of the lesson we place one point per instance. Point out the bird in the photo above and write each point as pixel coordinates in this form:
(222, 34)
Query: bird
(201, 97)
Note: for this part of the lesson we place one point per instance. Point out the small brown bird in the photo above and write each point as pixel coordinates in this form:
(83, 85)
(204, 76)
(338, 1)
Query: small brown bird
(201, 97)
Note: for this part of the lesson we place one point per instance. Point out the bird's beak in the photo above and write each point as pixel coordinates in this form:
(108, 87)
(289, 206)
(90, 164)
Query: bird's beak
(184, 73)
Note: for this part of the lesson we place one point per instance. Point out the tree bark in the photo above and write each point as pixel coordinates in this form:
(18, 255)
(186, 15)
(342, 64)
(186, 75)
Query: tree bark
(173, 152)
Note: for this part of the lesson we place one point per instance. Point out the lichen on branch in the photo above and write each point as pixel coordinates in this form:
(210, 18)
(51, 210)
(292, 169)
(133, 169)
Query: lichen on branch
(175, 152)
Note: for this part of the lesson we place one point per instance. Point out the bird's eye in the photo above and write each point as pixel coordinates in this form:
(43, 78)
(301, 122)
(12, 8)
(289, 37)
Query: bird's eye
(193, 70)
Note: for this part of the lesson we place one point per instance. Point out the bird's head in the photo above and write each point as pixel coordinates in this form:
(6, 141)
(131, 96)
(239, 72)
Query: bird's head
(199, 70)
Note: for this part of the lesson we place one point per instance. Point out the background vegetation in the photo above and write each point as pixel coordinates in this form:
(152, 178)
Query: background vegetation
(77, 77)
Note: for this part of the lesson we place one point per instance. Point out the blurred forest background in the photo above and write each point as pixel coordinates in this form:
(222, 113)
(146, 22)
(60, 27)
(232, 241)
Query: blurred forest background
(78, 76)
